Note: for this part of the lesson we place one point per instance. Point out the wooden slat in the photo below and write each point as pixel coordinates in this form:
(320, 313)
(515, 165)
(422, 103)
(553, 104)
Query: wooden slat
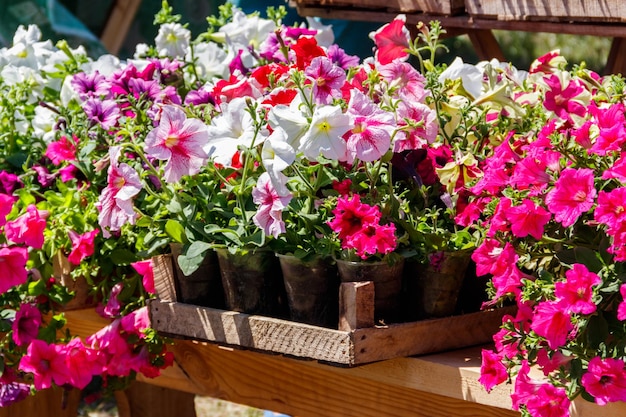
(426, 336)
(579, 10)
(52, 402)
(141, 399)
(356, 305)
(120, 19)
(468, 22)
(403, 6)
(616, 62)
(164, 278)
(254, 332)
(309, 389)
(485, 45)
(328, 345)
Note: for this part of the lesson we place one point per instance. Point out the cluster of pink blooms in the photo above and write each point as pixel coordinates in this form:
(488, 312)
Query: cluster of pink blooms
(537, 192)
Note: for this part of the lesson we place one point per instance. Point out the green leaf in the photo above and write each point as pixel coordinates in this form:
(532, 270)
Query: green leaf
(197, 249)
(175, 230)
(188, 265)
(174, 207)
(597, 331)
(36, 288)
(122, 257)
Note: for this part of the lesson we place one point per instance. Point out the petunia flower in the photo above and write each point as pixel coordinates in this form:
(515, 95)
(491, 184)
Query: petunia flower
(527, 219)
(552, 322)
(12, 267)
(144, 268)
(324, 136)
(61, 150)
(172, 40)
(327, 79)
(573, 194)
(46, 362)
(492, 370)
(180, 142)
(605, 380)
(82, 246)
(28, 228)
(26, 324)
(576, 292)
(271, 204)
(392, 41)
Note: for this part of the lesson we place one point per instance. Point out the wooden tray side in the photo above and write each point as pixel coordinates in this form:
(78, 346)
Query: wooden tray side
(553, 10)
(401, 6)
(252, 332)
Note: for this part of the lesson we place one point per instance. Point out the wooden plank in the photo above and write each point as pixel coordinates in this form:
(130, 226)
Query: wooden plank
(118, 23)
(308, 389)
(164, 278)
(616, 62)
(253, 332)
(356, 305)
(444, 7)
(468, 22)
(52, 402)
(578, 10)
(141, 399)
(425, 336)
(486, 45)
(328, 345)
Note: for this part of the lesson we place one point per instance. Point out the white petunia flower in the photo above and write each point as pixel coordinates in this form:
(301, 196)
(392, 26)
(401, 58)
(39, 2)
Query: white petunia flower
(324, 136)
(277, 154)
(172, 40)
(210, 60)
(44, 122)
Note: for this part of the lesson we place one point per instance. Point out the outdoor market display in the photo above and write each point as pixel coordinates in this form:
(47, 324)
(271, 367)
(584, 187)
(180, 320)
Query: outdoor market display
(315, 194)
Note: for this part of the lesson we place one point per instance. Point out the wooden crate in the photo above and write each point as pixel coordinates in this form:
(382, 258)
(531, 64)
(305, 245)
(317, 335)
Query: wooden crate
(553, 10)
(358, 340)
(443, 7)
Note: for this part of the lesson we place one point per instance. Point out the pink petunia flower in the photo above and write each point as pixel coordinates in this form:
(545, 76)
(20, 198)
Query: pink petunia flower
(6, 205)
(611, 208)
(82, 246)
(561, 99)
(136, 322)
(392, 41)
(370, 138)
(404, 81)
(605, 379)
(525, 387)
(115, 202)
(611, 128)
(618, 170)
(47, 364)
(179, 141)
(548, 401)
(351, 216)
(104, 112)
(528, 219)
(144, 268)
(28, 228)
(552, 322)
(419, 126)
(12, 267)
(82, 363)
(26, 324)
(492, 370)
(372, 239)
(270, 205)
(576, 292)
(327, 79)
(61, 150)
(621, 308)
(113, 306)
(573, 194)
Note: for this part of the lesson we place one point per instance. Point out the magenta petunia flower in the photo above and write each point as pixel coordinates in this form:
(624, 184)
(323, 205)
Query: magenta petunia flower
(82, 362)
(618, 170)
(68, 173)
(372, 239)
(530, 173)
(351, 216)
(573, 194)
(392, 41)
(270, 205)
(8, 182)
(113, 307)
(13, 392)
(492, 370)
(144, 268)
(528, 219)
(611, 208)
(327, 79)
(561, 99)
(137, 322)
(525, 386)
(611, 128)
(621, 308)
(28, 228)
(26, 324)
(549, 401)
(605, 379)
(82, 246)
(576, 292)
(91, 85)
(61, 150)
(552, 322)
(12, 267)
(6, 205)
(179, 141)
(46, 362)
(340, 58)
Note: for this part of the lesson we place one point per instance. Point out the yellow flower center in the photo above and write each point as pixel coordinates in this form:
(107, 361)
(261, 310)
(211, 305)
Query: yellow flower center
(171, 38)
(324, 127)
(171, 141)
(119, 182)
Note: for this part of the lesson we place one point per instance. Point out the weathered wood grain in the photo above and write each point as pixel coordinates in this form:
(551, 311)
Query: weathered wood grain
(53, 402)
(554, 10)
(444, 7)
(164, 278)
(356, 305)
(253, 332)
(328, 345)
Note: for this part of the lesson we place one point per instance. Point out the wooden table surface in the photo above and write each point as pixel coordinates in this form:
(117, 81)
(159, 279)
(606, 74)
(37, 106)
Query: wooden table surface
(437, 385)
